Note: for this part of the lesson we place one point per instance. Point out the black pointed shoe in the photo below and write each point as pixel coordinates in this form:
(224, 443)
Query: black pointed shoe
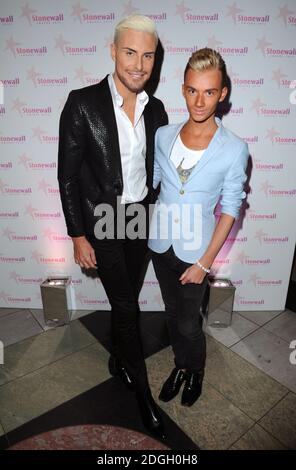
(192, 388)
(172, 385)
(116, 368)
(150, 415)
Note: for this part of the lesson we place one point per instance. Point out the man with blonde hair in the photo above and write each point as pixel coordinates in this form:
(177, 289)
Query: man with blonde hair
(196, 162)
(106, 153)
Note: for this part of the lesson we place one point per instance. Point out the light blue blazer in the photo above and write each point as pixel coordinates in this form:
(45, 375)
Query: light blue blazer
(183, 215)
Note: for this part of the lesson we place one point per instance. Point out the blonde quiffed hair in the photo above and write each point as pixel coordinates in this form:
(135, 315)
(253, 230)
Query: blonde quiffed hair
(207, 59)
(137, 23)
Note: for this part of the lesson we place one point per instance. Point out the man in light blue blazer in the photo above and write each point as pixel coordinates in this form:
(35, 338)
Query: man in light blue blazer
(198, 163)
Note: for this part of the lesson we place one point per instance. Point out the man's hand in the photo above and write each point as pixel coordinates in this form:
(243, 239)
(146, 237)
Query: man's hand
(84, 254)
(193, 275)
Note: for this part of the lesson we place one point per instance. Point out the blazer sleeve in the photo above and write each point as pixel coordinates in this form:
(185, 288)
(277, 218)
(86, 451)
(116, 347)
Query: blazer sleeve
(232, 191)
(70, 157)
(156, 170)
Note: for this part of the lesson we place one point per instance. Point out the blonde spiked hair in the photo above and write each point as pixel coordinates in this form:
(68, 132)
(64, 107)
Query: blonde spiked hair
(207, 59)
(137, 23)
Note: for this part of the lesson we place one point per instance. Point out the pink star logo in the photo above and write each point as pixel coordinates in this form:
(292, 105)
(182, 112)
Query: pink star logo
(182, 10)
(129, 8)
(77, 11)
(48, 233)
(238, 298)
(4, 296)
(81, 74)
(277, 76)
(254, 278)
(8, 233)
(11, 45)
(24, 160)
(257, 105)
(36, 256)
(17, 105)
(108, 41)
(265, 187)
(80, 297)
(271, 134)
(231, 72)
(232, 11)
(262, 44)
(43, 186)
(3, 186)
(30, 210)
(60, 43)
(164, 41)
(158, 300)
(241, 257)
(14, 276)
(179, 73)
(38, 133)
(32, 75)
(213, 43)
(284, 13)
(27, 12)
(259, 235)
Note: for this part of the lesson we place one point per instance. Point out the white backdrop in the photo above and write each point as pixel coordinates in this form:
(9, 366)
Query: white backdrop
(49, 47)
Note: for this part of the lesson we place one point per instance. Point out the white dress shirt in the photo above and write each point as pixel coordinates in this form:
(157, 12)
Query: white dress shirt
(132, 144)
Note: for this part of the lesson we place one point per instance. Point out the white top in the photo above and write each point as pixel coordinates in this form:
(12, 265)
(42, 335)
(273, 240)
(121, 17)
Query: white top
(132, 144)
(181, 154)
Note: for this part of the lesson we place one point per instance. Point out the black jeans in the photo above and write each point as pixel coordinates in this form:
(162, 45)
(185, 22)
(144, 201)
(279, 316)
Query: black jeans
(120, 264)
(182, 305)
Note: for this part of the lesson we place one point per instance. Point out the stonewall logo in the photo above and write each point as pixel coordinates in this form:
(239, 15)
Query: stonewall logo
(9, 214)
(6, 20)
(84, 300)
(85, 77)
(16, 50)
(264, 238)
(270, 190)
(83, 15)
(242, 258)
(12, 139)
(24, 110)
(239, 300)
(42, 259)
(13, 236)
(175, 50)
(37, 214)
(67, 50)
(12, 259)
(287, 16)
(265, 166)
(239, 111)
(264, 46)
(174, 110)
(232, 240)
(246, 82)
(229, 51)
(275, 138)
(20, 279)
(28, 163)
(281, 79)
(10, 299)
(47, 188)
(258, 281)
(38, 80)
(34, 18)
(238, 17)
(14, 191)
(255, 216)
(42, 136)
(251, 139)
(2, 111)
(10, 82)
(188, 16)
(54, 236)
(5, 165)
(263, 110)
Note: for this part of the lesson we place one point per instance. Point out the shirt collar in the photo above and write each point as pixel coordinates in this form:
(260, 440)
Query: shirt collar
(142, 97)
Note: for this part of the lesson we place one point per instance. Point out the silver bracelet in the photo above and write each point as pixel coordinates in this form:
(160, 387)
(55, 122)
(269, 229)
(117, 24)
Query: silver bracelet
(202, 267)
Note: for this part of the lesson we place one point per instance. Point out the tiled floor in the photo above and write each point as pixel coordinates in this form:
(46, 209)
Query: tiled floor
(57, 377)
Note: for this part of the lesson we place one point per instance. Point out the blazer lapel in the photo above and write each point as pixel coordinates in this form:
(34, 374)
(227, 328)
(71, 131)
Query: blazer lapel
(149, 130)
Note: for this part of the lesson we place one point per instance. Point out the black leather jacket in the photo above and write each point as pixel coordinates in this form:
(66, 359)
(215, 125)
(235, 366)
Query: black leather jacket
(89, 163)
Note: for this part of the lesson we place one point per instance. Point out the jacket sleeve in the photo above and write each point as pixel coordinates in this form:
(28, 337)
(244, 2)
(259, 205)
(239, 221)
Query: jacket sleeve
(232, 191)
(70, 157)
(156, 169)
